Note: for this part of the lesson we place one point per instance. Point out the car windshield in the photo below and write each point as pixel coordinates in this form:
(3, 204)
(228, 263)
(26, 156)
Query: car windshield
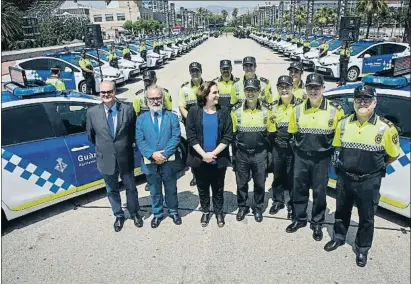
(74, 59)
(355, 49)
(336, 43)
(103, 54)
(315, 43)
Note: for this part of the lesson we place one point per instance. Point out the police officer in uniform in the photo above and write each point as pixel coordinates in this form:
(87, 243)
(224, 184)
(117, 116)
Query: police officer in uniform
(225, 83)
(313, 123)
(127, 53)
(112, 57)
(88, 73)
(296, 72)
(249, 67)
(306, 45)
(142, 50)
(55, 80)
(282, 152)
(323, 48)
(188, 95)
(345, 54)
(367, 143)
(140, 104)
(252, 124)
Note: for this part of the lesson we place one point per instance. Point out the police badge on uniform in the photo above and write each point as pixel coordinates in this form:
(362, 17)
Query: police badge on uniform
(395, 139)
(331, 123)
(378, 138)
(272, 118)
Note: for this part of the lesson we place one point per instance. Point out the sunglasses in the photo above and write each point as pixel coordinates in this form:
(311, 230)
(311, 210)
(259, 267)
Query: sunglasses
(363, 100)
(109, 92)
(315, 88)
(283, 87)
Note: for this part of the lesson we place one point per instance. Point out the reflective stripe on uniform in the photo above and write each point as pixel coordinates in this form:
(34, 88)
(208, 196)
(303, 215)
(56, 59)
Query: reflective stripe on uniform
(251, 129)
(238, 114)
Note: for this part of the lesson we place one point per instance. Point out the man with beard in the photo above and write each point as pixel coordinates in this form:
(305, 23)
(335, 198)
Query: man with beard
(225, 83)
(249, 67)
(157, 136)
(312, 123)
(252, 124)
(367, 143)
(111, 128)
(188, 95)
(296, 72)
(282, 152)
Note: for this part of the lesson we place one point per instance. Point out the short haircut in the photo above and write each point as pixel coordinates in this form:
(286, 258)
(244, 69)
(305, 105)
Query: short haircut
(155, 88)
(204, 91)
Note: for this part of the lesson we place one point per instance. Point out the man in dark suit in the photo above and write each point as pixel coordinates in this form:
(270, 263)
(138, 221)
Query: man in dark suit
(157, 136)
(111, 128)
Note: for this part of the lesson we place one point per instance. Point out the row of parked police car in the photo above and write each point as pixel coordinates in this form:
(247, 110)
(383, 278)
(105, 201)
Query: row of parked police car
(158, 52)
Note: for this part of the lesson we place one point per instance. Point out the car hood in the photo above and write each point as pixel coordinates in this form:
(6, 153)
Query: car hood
(126, 63)
(329, 59)
(311, 54)
(108, 71)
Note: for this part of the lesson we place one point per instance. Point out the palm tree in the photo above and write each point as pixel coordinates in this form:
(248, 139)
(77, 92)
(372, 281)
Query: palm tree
(11, 23)
(225, 14)
(323, 16)
(234, 13)
(370, 8)
(300, 17)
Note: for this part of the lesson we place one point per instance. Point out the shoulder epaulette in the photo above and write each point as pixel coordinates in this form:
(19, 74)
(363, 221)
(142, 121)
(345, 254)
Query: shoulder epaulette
(345, 116)
(383, 119)
(184, 84)
(165, 90)
(264, 80)
(298, 101)
(267, 104)
(139, 92)
(335, 104)
(236, 79)
(215, 79)
(237, 105)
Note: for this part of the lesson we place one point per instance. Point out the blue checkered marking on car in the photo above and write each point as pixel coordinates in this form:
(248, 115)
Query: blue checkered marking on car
(42, 177)
(404, 158)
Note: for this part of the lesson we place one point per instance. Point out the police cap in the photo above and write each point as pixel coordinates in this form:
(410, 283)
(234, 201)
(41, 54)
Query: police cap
(252, 83)
(225, 63)
(285, 79)
(149, 75)
(55, 69)
(194, 65)
(296, 65)
(365, 91)
(314, 80)
(249, 60)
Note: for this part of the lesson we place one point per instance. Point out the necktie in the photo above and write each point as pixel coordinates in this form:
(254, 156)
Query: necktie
(110, 122)
(156, 126)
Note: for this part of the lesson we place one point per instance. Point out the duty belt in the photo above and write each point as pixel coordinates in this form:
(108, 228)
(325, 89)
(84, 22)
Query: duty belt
(358, 177)
(251, 150)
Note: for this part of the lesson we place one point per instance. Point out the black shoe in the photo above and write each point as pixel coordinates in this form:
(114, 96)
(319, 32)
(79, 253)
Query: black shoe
(220, 220)
(361, 259)
(294, 226)
(155, 222)
(193, 182)
(258, 216)
(242, 212)
(317, 233)
(146, 188)
(333, 245)
(205, 219)
(176, 219)
(138, 221)
(275, 208)
(118, 224)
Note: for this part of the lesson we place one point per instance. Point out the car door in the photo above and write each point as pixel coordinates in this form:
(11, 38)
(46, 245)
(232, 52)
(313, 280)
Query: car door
(379, 60)
(36, 164)
(67, 72)
(36, 69)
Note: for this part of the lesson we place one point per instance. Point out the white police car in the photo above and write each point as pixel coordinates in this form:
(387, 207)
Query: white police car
(393, 103)
(46, 155)
(329, 66)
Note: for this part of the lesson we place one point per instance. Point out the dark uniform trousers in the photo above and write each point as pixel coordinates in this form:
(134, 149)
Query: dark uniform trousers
(365, 194)
(254, 164)
(210, 175)
(283, 168)
(344, 60)
(90, 85)
(310, 171)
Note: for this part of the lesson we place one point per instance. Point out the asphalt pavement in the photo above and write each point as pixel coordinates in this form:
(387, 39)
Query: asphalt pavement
(74, 241)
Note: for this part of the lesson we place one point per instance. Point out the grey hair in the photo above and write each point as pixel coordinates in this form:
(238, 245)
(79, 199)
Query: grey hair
(154, 87)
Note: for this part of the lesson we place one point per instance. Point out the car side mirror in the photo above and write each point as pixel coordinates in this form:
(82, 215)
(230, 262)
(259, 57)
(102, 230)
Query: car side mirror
(68, 69)
(367, 56)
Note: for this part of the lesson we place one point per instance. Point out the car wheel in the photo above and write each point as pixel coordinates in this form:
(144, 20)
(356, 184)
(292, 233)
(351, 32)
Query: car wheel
(353, 74)
(82, 87)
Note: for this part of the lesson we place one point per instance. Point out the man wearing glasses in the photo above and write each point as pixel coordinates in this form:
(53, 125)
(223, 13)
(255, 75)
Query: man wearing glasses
(312, 123)
(111, 128)
(157, 136)
(282, 151)
(296, 72)
(367, 144)
(225, 83)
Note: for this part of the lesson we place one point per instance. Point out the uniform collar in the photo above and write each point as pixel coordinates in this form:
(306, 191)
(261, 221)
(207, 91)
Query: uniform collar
(280, 102)
(372, 119)
(323, 105)
(258, 106)
(231, 78)
(191, 83)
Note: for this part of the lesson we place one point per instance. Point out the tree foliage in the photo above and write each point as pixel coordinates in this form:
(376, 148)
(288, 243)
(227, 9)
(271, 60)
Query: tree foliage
(371, 8)
(147, 25)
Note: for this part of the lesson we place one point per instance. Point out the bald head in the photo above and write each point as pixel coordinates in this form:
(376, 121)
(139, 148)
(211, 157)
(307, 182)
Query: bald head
(107, 85)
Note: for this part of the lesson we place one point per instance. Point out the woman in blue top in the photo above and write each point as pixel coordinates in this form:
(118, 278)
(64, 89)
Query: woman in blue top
(209, 133)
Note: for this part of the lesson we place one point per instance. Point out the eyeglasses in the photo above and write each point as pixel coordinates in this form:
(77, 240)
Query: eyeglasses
(109, 92)
(280, 88)
(294, 71)
(315, 88)
(366, 101)
(155, 99)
